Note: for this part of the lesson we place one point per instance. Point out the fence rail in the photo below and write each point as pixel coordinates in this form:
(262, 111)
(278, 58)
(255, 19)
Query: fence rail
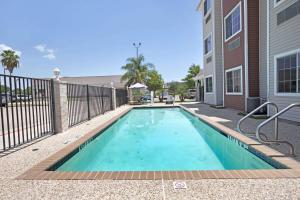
(86, 102)
(121, 97)
(25, 110)
(27, 107)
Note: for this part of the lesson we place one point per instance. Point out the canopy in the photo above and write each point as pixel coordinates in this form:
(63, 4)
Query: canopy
(137, 85)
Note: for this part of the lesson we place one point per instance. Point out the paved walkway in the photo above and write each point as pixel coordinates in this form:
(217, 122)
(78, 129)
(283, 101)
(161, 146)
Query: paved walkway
(230, 118)
(16, 163)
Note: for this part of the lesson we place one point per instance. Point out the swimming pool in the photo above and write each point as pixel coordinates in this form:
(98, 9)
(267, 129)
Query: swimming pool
(160, 139)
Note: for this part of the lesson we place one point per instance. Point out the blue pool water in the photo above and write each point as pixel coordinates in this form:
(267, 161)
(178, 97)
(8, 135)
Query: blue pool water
(161, 139)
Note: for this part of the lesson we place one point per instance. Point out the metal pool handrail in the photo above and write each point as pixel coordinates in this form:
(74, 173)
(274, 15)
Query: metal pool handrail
(258, 134)
(253, 112)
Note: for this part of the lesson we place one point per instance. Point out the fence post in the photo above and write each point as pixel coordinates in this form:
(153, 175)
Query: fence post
(114, 98)
(60, 101)
(88, 101)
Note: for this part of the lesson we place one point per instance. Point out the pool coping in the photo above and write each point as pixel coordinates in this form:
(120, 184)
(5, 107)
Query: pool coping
(39, 171)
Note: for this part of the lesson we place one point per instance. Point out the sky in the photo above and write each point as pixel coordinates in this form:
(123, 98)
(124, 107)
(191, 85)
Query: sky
(94, 37)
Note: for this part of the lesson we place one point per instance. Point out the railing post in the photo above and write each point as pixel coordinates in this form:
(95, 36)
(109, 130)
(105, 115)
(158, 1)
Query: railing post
(88, 101)
(60, 101)
(114, 98)
(53, 110)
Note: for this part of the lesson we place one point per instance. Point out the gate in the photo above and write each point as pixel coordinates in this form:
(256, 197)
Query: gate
(121, 97)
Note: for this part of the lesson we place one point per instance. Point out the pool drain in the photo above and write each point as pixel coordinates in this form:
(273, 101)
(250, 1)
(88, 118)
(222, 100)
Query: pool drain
(179, 185)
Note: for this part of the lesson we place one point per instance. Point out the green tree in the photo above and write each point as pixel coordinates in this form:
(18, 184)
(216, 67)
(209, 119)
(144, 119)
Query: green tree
(17, 91)
(10, 60)
(172, 88)
(180, 89)
(136, 71)
(28, 90)
(194, 70)
(4, 89)
(154, 81)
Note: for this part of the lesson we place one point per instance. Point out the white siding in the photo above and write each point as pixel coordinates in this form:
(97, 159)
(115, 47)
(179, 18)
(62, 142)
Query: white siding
(218, 52)
(283, 38)
(263, 69)
(215, 67)
(209, 70)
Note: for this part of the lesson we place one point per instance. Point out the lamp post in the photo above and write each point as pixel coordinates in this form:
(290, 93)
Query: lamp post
(137, 46)
(56, 73)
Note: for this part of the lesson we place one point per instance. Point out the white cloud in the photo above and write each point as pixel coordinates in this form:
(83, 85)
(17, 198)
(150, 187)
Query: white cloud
(40, 48)
(50, 56)
(48, 53)
(5, 47)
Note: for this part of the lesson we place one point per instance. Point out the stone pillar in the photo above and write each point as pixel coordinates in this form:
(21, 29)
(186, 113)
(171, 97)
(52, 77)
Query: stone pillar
(114, 98)
(61, 112)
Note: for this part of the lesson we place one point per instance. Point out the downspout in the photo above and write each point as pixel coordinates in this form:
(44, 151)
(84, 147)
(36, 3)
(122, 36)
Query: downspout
(268, 55)
(223, 69)
(246, 51)
(214, 50)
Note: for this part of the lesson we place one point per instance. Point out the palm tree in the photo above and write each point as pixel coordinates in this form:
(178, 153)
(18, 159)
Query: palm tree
(136, 71)
(10, 60)
(194, 70)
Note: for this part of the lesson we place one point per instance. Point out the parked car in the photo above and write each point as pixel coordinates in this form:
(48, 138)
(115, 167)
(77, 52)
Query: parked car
(170, 100)
(146, 98)
(13, 98)
(191, 94)
(4, 99)
(23, 97)
(166, 97)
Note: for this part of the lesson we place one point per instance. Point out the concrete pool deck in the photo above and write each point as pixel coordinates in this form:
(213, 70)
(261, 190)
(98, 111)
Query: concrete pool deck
(289, 131)
(14, 164)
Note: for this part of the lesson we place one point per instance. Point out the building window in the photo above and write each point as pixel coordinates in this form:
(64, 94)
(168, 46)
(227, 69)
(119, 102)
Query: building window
(233, 22)
(234, 84)
(209, 59)
(207, 44)
(278, 2)
(207, 18)
(207, 6)
(288, 73)
(208, 84)
(288, 13)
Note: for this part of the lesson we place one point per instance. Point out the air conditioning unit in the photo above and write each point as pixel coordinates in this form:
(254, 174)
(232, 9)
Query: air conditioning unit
(253, 103)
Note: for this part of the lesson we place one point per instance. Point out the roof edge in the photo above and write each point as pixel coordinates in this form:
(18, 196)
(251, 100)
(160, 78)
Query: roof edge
(88, 76)
(199, 5)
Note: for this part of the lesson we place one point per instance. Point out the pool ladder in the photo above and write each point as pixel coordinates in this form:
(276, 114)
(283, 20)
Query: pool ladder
(274, 117)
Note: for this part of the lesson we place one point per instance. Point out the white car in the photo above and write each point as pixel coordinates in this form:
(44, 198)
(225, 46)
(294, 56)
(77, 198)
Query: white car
(24, 98)
(191, 94)
(4, 99)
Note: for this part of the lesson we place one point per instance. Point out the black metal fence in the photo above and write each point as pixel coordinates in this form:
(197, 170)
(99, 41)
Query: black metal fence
(86, 102)
(27, 107)
(121, 97)
(26, 110)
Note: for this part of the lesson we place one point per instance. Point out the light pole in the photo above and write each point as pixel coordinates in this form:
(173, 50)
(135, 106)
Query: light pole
(56, 73)
(137, 46)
